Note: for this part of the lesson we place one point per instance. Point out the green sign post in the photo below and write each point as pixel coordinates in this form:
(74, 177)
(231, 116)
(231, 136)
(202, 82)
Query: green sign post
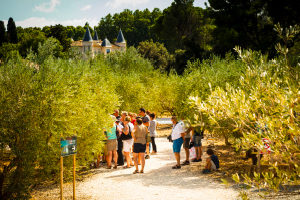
(69, 147)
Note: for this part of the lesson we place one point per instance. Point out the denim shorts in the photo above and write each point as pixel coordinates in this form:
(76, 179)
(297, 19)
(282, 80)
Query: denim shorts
(197, 141)
(177, 145)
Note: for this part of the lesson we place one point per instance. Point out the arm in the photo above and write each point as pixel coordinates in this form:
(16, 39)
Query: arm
(146, 124)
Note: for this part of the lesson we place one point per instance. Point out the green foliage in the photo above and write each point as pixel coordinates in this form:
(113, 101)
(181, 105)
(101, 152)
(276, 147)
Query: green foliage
(157, 54)
(59, 32)
(2, 33)
(136, 26)
(12, 31)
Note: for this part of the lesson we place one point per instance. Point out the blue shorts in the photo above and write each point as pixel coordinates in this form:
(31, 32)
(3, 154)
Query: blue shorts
(197, 141)
(177, 145)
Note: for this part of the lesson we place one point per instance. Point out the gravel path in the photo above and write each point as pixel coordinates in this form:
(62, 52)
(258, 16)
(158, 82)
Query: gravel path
(158, 182)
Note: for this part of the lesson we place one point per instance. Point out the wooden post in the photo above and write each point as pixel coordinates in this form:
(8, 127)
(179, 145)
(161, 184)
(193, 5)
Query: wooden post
(74, 168)
(61, 177)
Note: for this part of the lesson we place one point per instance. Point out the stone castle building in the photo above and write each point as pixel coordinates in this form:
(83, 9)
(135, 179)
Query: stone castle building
(93, 46)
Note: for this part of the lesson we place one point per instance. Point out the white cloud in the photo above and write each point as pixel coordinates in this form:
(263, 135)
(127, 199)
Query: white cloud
(41, 22)
(85, 8)
(47, 7)
(122, 3)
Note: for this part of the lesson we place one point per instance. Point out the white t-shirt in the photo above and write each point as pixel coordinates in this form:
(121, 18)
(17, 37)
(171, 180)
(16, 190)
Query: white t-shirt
(177, 130)
(185, 124)
(131, 126)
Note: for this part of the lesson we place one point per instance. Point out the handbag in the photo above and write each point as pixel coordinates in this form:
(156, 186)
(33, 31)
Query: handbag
(170, 138)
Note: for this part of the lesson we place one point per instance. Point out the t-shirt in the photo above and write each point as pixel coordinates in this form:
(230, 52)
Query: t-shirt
(177, 130)
(140, 134)
(186, 125)
(131, 126)
(145, 119)
(215, 159)
(152, 128)
(111, 134)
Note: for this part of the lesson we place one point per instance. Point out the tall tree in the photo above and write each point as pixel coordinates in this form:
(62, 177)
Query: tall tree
(177, 23)
(12, 31)
(243, 23)
(2, 33)
(59, 32)
(78, 33)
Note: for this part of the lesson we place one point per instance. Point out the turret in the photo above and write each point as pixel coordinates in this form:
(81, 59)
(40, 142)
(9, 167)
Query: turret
(87, 42)
(121, 41)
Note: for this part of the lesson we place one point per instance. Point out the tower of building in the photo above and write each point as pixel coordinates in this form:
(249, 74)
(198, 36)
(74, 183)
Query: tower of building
(87, 42)
(121, 41)
(106, 46)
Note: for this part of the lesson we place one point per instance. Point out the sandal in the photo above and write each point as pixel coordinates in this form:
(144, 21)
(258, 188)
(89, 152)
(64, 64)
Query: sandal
(176, 167)
(136, 171)
(126, 167)
(142, 171)
(115, 167)
(108, 167)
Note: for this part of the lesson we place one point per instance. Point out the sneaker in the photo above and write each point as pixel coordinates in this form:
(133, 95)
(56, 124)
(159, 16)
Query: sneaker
(147, 157)
(186, 163)
(176, 167)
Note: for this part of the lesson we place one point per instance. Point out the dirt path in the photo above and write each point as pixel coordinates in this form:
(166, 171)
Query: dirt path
(158, 182)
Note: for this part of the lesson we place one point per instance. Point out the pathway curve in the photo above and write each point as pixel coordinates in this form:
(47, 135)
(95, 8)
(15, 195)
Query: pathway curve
(159, 182)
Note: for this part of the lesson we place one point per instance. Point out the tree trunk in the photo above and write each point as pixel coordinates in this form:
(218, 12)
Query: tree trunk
(226, 140)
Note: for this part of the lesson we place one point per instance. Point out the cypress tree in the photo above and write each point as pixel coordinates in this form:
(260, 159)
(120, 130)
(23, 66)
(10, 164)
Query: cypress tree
(12, 31)
(2, 33)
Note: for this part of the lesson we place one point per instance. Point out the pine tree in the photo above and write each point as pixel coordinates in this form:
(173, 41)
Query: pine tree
(2, 33)
(12, 31)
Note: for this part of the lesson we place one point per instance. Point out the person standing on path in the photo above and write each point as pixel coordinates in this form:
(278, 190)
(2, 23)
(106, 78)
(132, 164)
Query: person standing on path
(187, 138)
(177, 137)
(111, 146)
(152, 130)
(146, 122)
(139, 146)
(127, 140)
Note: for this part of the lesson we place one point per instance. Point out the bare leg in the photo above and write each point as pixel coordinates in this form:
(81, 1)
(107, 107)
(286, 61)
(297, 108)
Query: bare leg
(208, 164)
(177, 156)
(115, 157)
(128, 160)
(187, 154)
(136, 155)
(108, 159)
(143, 160)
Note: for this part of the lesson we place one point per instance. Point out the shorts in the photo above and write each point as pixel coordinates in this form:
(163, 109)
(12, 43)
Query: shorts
(112, 145)
(186, 143)
(139, 148)
(177, 145)
(127, 144)
(197, 141)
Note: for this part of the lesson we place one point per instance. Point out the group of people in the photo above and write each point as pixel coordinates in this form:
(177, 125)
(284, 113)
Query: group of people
(185, 134)
(131, 132)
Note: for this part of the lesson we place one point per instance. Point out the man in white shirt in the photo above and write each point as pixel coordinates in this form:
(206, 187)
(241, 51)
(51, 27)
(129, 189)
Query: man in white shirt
(177, 137)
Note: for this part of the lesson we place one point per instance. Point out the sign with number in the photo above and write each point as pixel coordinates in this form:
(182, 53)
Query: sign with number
(69, 146)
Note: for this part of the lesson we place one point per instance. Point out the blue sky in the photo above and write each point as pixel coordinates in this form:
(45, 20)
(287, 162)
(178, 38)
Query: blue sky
(30, 13)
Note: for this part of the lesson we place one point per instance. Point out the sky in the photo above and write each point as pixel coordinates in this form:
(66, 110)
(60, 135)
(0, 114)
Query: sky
(39, 13)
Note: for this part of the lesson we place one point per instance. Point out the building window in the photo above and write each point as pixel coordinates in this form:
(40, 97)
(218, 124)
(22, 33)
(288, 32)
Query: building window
(107, 51)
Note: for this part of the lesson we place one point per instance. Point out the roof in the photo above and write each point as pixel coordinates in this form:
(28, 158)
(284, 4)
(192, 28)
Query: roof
(120, 38)
(87, 36)
(95, 36)
(106, 43)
